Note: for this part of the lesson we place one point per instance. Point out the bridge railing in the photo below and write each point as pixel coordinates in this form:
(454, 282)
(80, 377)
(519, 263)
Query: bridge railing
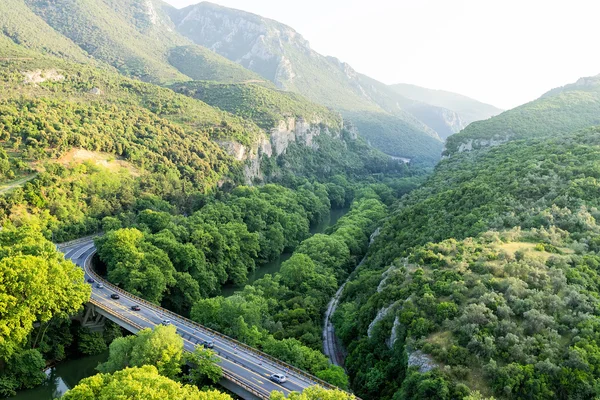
(263, 394)
(297, 371)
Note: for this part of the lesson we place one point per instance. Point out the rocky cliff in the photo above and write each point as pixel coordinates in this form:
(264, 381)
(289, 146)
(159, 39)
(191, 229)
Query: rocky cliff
(276, 142)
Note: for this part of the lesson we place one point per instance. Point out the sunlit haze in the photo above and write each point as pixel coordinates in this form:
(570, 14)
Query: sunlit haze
(501, 52)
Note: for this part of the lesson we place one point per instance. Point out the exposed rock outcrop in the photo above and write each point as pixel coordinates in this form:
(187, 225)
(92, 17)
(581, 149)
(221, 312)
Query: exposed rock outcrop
(290, 130)
(40, 76)
(394, 336)
(473, 144)
(421, 360)
(381, 314)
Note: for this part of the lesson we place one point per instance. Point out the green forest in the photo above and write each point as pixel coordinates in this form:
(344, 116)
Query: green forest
(476, 282)
(470, 272)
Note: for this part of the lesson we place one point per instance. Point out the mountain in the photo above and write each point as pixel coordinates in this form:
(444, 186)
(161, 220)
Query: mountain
(283, 56)
(468, 109)
(469, 286)
(559, 111)
(136, 37)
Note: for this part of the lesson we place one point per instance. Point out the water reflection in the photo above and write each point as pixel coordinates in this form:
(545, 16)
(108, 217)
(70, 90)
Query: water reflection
(63, 377)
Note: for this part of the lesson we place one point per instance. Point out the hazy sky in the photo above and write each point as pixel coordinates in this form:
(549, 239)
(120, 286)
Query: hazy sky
(504, 52)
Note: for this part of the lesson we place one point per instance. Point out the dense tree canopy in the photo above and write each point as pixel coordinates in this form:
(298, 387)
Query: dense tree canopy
(144, 383)
(161, 347)
(37, 285)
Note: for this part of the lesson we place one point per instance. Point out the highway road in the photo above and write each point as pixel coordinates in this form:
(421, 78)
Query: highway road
(240, 363)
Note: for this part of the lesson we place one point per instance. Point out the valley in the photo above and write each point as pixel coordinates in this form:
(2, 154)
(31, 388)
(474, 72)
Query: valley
(266, 222)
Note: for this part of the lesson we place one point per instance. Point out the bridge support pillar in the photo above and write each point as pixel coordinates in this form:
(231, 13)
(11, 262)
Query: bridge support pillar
(93, 320)
(238, 390)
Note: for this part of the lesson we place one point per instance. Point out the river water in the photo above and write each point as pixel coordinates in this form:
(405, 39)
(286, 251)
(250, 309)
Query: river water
(63, 377)
(275, 265)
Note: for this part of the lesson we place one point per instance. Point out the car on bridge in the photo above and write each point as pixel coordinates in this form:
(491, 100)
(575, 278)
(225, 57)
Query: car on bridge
(166, 322)
(115, 296)
(278, 378)
(209, 344)
(90, 280)
(135, 307)
(100, 286)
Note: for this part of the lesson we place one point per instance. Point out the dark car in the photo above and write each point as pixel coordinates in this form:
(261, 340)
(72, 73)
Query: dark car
(90, 280)
(115, 296)
(135, 308)
(209, 344)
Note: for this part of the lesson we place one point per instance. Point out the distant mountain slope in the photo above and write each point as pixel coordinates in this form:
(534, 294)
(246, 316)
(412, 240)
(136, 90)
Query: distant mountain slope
(265, 107)
(468, 109)
(20, 26)
(280, 54)
(136, 37)
(200, 63)
(558, 112)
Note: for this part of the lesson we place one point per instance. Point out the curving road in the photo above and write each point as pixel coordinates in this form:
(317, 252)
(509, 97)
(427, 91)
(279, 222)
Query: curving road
(242, 365)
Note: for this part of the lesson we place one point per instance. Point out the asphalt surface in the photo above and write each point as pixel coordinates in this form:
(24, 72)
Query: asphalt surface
(246, 366)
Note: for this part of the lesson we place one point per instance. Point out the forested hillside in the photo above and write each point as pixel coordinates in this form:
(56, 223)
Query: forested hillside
(483, 278)
(558, 112)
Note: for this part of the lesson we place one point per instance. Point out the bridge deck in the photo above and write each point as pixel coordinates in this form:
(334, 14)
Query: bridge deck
(242, 365)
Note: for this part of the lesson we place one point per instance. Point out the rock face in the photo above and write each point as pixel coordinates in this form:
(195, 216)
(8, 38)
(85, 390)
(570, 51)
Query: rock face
(381, 314)
(255, 42)
(39, 76)
(421, 360)
(471, 144)
(276, 143)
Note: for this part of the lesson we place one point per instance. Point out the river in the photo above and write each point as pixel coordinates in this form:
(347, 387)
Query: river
(63, 377)
(275, 265)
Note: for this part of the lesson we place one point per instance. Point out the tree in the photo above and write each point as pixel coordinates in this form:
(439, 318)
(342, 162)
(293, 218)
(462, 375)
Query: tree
(161, 347)
(313, 393)
(136, 265)
(143, 383)
(332, 253)
(37, 284)
(204, 366)
(334, 375)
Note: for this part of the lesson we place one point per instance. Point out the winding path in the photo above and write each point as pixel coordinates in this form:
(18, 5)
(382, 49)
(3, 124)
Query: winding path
(331, 347)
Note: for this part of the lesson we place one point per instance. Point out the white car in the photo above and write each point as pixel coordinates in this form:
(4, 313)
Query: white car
(279, 378)
(166, 322)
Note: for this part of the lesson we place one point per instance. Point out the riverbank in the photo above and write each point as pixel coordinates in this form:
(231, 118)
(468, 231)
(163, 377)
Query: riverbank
(62, 377)
(274, 266)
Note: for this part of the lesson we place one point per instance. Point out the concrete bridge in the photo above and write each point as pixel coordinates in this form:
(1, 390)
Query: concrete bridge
(246, 370)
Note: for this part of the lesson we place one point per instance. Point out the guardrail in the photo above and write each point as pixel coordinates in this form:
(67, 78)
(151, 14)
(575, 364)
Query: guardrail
(192, 324)
(263, 394)
(77, 241)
